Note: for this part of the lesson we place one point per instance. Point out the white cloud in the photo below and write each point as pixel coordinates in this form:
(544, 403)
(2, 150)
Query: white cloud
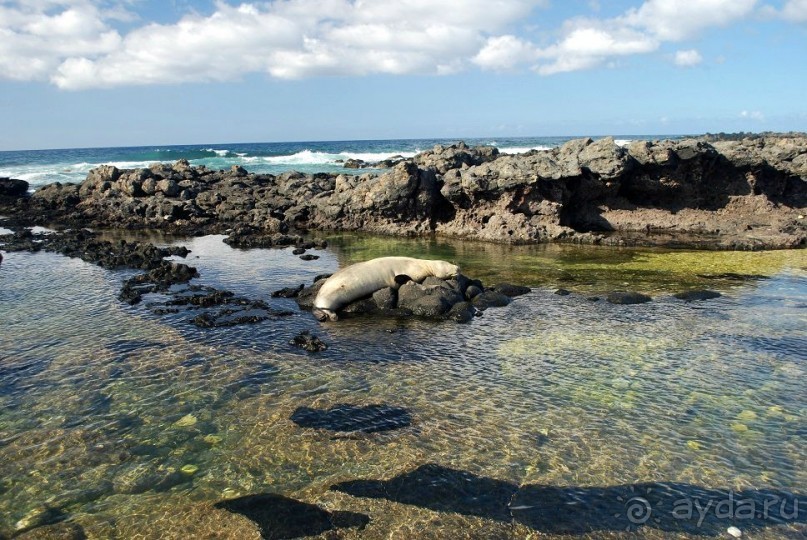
(588, 43)
(75, 44)
(795, 11)
(505, 52)
(753, 115)
(674, 20)
(688, 58)
(36, 36)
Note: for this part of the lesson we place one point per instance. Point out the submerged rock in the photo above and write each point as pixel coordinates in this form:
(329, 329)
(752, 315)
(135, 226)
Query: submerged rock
(510, 290)
(309, 342)
(627, 298)
(489, 299)
(691, 296)
(288, 292)
(352, 418)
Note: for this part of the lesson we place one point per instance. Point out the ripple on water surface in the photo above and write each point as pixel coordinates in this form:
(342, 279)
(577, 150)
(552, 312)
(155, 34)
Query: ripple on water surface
(122, 422)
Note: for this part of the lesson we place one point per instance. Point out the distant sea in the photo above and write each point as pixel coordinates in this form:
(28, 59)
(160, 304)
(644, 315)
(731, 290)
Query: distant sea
(40, 167)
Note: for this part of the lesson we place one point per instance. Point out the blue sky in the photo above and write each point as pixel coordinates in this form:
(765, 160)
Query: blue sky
(77, 73)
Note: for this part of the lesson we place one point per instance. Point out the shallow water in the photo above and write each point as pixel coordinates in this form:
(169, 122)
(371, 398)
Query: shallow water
(131, 424)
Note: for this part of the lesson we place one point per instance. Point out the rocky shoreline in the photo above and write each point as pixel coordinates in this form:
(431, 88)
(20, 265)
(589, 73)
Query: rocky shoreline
(745, 194)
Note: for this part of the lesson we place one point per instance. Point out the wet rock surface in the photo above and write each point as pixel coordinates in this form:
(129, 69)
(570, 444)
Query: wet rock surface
(352, 418)
(308, 342)
(725, 194)
(87, 246)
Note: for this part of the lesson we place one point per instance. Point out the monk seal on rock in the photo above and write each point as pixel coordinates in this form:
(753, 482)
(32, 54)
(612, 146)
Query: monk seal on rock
(365, 278)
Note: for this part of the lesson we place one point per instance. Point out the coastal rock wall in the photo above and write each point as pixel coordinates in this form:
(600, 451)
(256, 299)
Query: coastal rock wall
(741, 194)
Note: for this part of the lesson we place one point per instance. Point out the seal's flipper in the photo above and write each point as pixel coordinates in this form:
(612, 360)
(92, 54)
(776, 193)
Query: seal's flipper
(323, 315)
(400, 279)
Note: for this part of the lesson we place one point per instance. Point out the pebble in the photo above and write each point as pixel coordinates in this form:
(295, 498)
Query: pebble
(190, 468)
(735, 532)
(186, 421)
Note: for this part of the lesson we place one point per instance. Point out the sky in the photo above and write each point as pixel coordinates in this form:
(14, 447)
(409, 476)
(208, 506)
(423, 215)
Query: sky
(90, 73)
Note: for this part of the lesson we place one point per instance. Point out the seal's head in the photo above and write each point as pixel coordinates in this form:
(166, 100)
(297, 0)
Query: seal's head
(443, 269)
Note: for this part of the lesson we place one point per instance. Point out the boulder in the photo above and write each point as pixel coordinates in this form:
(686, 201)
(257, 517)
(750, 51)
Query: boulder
(10, 187)
(386, 298)
(489, 299)
(461, 312)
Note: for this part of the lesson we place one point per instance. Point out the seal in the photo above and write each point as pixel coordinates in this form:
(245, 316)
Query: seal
(365, 278)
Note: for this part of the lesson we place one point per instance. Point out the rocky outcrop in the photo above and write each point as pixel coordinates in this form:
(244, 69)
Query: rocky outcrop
(459, 299)
(731, 194)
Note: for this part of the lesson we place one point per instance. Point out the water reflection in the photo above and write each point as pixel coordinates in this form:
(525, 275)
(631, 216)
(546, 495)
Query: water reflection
(126, 422)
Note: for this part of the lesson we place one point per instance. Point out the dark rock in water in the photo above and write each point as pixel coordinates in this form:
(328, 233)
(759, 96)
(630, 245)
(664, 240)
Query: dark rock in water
(298, 251)
(386, 298)
(430, 306)
(352, 418)
(288, 292)
(10, 187)
(353, 163)
(306, 297)
(489, 299)
(690, 296)
(319, 277)
(410, 292)
(248, 314)
(510, 290)
(593, 298)
(309, 342)
(461, 312)
(280, 517)
(360, 307)
(473, 291)
(628, 298)
(562, 292)
(428, 301)
(160, 278)
(731, 276)
(309, 257)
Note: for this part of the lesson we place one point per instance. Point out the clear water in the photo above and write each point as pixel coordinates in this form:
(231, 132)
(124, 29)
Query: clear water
(40, 167)
(103, 405)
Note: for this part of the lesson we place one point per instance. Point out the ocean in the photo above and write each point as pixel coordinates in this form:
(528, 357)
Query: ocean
(41, 167)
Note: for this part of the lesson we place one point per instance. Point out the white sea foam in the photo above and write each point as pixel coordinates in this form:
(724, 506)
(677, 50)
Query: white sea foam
(523, 149)
(623, 142)
(372, 157)
(308, 157)
(220, 153)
